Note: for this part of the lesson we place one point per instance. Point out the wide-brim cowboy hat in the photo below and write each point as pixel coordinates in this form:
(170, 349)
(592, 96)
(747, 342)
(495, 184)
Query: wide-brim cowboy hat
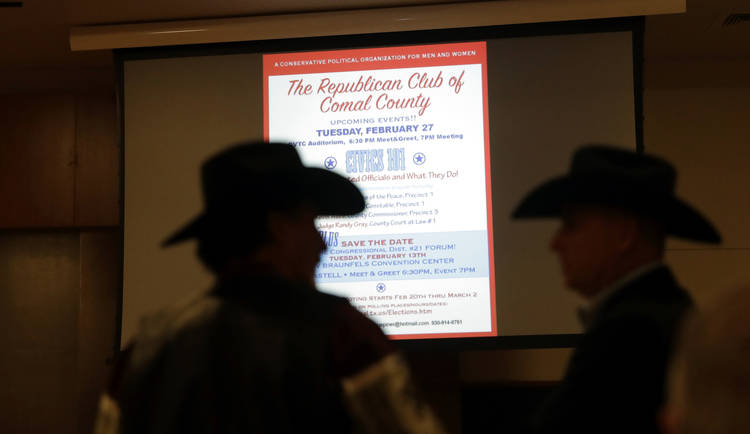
(609, 176)
(254, 177)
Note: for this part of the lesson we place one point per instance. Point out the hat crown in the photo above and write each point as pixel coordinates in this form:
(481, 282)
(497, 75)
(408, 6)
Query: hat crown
(252, 158)
(249, 168)
(602, 164)
(243, 183)
(615, 177)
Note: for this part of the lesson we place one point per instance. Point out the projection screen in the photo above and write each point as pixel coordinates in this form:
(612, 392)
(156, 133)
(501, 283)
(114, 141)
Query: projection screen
(442, 131)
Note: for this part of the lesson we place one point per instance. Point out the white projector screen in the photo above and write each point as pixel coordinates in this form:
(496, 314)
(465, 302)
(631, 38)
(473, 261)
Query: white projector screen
(443, 137)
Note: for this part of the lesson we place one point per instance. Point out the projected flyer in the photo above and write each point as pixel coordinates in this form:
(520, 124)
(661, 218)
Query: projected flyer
(407, 125)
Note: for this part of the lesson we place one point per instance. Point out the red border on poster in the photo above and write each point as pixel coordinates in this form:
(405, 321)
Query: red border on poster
(407, 56)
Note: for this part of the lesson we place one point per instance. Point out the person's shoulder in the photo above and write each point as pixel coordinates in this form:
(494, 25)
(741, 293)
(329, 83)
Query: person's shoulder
(655, 296)
(646, 316)
(355, 322)
(190, 313)
(356, 341)
(330, 298)
(658, 285)
(172, 326)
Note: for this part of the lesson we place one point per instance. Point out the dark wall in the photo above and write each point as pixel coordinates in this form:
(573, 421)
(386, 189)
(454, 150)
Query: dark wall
(60, 250)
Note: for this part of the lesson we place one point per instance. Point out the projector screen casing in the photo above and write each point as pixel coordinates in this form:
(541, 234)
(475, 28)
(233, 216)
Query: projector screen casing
(161, 158)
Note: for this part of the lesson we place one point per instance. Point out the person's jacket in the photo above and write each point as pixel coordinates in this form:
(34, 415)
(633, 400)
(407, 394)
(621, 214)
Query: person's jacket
(614, 382)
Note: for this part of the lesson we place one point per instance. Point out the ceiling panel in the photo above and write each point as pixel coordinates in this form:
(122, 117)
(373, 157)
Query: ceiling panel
(700, 33)
(84, 12)
(36, 35)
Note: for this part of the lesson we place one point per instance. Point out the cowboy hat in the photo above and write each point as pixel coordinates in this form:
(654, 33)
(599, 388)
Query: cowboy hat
(609, 176)
(251, 178)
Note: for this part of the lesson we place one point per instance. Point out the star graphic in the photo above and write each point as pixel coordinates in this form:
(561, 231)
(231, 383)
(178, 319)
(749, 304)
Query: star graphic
(330, 163)
(419, 158)
(380, 287)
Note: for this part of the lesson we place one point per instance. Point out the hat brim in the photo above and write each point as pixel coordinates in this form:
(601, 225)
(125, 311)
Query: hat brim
(191, 230)
(679, 218)
(330, 193)
(546, 200)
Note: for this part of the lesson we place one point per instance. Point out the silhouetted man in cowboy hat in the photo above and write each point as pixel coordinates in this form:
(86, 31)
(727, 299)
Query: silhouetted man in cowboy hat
(264, 351)
(616, 207)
